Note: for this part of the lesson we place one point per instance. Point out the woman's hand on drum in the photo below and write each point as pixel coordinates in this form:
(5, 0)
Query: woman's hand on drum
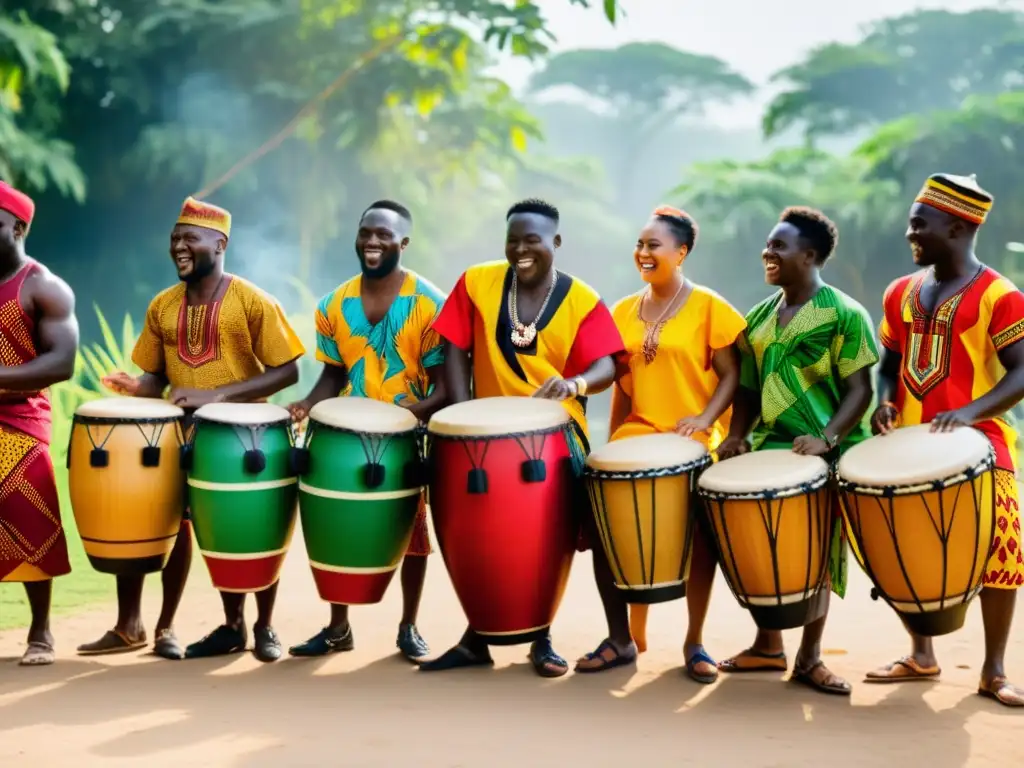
(556, 388)
(299, 411)
(809, 445)
(883, 420)
(183, 397)
(693, 424)
(732, 446)
(950, 420)
(121, 383)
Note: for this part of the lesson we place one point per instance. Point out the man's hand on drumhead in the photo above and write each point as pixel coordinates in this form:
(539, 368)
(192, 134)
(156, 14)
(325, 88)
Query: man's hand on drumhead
(732, 446)
(950, 420)
(809, 445)
(883, 420)
(183, 397)
(121, 383)
(691, 425)
(555, 388)
(299, 411)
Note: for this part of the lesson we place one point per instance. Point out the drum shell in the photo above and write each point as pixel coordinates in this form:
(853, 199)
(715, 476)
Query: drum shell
(355, 543)
(783, 586)
(508, 551)
(645, 526)
(128, 515)
(243, 522)
(906, 561)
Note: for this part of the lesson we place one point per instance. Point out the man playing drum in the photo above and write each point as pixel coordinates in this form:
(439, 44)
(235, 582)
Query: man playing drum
(806, 379)
(532, 331)
(953, 341)
(375, 339)
(40, 340)
(681, 339)
(213, 338)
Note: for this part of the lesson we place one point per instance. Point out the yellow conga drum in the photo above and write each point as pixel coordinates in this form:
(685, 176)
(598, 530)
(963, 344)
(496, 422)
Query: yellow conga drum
(920, 510)
(771, 515)
(640, 491)
(126, 482)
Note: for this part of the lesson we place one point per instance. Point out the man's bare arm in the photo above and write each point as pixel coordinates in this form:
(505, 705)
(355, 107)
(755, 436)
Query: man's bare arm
(53, 303)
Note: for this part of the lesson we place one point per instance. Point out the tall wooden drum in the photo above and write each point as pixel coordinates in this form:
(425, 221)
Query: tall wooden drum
(242, 490)
(502, 491)
(920, 510)
(359, 496)
(771, 513)
(640, 492)
(126, 483)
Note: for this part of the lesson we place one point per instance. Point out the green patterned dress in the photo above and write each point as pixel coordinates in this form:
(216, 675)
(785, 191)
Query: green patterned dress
(799, 371)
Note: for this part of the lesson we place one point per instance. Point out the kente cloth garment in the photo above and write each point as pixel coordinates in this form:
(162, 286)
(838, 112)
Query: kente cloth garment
(387, 361)
(680, 380)
(951, 356)
(32, 542)
(574, 332)
(233, 338)
(798, 371)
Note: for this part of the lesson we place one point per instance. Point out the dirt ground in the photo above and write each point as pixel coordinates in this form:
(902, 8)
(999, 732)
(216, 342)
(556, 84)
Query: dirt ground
(369, 708)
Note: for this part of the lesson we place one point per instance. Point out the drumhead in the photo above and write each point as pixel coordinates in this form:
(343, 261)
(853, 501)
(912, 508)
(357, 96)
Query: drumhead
(129, 408)
(243, 414)
(361, 414)
(491, 416)
(913, 455)
(763, 471)
(645, 453)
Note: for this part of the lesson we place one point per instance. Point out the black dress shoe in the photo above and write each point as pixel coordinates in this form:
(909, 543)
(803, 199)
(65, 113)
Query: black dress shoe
(266, 646)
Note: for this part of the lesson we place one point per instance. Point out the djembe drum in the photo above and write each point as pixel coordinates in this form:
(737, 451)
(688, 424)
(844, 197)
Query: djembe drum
(640, 491)
(771, 514)
(920, 510)
(502, 493)
(359, 495)
(242, 492)
(126, 483)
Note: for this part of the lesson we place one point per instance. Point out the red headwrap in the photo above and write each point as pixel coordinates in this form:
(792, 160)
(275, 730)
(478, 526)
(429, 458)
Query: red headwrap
(18, 203)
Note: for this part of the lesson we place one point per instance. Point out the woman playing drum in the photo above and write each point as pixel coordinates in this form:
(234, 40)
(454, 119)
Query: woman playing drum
(532, 330)
(953, 339)
(683, 373)
(807, 357)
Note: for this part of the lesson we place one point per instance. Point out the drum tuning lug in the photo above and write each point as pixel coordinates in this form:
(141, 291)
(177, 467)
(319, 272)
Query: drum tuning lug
(373, 475)
(254, 461)
(99, 458)
(534, 471)
(299, 461)
(185, 458)
(151, 456)
(476, 482)
(874, 593)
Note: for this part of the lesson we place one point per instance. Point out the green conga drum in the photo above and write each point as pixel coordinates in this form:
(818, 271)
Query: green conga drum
(242, 486)
(359, 491)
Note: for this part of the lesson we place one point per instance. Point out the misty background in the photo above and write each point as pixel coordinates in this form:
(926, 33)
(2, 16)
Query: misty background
(112, 112)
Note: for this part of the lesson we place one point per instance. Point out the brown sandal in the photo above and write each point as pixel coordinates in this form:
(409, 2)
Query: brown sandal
(1000, 689)
(112, 642)
(902, 670)
(753, 660)
(829, 683)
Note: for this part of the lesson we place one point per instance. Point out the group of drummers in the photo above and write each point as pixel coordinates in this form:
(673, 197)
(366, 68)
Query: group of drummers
(758, 443)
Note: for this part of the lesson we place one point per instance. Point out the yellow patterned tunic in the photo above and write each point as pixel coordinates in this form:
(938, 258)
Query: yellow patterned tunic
(236, 336)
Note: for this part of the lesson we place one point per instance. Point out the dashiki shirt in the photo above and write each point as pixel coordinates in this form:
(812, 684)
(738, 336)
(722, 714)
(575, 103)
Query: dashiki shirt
(950, 358)
(387, 361)
(799, 370)
(240, 333)
(680, 380)
(33, 546)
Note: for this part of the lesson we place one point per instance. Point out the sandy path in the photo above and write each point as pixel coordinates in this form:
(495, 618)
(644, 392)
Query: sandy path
(369, 708)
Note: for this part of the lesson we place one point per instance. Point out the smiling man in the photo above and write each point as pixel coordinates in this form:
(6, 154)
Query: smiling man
(374, 337)
(805, 380)
(519, 327)
(213, 338)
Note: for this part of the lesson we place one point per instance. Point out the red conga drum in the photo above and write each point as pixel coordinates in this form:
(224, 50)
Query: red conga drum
(502, 489)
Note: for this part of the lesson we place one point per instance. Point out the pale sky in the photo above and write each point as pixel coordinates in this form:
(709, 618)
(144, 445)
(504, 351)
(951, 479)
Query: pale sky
(756, 37)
